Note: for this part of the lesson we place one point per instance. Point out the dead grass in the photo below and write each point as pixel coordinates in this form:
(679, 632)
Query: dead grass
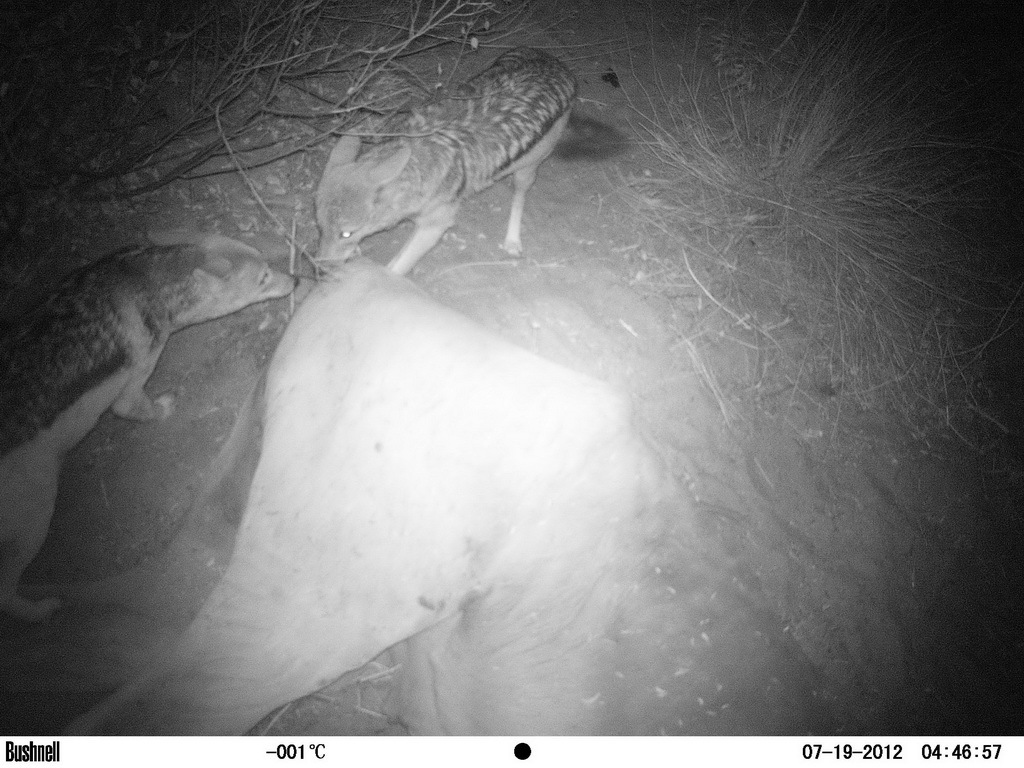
(816, 185)
(116, 102)
(100, 106)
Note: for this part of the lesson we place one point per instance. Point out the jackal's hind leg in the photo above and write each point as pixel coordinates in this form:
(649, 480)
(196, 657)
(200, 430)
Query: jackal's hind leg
(28, 490)
(14, 558)
(522, 180)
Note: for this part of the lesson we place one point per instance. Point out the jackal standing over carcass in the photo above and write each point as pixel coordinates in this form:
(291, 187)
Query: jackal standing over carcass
(503, 122)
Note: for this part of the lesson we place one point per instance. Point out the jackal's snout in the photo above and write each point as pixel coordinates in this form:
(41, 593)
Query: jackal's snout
(336, 247)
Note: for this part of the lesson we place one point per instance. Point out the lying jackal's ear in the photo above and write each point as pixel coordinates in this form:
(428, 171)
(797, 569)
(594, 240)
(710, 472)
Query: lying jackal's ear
(344, 152)
(225, 247)
(205, 281)
(212, 244)
(218, 264)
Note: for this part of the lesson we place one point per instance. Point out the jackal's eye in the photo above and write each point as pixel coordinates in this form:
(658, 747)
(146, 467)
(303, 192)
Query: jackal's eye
(346, 235)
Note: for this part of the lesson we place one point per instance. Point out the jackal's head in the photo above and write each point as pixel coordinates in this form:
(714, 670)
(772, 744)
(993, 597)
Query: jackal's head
(350, 202)
(232, 276)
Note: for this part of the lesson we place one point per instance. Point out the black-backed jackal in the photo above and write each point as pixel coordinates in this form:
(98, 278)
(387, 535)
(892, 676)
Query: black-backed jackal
(91, 346)
(503, 122)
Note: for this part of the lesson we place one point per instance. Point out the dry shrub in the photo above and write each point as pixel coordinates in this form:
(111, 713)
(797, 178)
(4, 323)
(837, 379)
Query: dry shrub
(820, 184)
(120, 98)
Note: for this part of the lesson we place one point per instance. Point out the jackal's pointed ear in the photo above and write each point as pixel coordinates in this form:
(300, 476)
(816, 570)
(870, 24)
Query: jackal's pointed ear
(343, 154)
(218, 264)
(204, 279)
(387, 170)
(225, 247)
(212, 244)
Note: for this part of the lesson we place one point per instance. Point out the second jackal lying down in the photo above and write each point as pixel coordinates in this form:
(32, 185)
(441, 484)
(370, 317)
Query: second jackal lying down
(91, 346)
(503, 122)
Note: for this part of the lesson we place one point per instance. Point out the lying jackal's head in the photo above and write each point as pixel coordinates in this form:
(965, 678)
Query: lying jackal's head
(227, 275)
(222, 286)
(350, 201)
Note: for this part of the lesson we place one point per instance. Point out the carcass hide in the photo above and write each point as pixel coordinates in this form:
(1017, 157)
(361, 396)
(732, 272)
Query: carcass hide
(412, 464)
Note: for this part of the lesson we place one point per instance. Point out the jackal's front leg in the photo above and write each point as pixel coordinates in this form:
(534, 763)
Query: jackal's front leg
(430, 227)
(133, 402)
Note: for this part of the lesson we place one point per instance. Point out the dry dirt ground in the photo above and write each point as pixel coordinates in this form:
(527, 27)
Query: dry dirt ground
(816, 575)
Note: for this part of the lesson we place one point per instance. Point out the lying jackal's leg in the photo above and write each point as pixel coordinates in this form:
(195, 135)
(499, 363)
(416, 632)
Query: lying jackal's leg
(28, 490)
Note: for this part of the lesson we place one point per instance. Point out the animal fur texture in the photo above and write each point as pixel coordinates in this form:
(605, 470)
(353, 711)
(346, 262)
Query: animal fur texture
(91, 346)
(503, 122)
(411, 462)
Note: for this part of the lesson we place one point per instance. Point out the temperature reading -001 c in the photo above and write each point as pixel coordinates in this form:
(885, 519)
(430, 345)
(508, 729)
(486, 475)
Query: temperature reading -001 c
(299, 751)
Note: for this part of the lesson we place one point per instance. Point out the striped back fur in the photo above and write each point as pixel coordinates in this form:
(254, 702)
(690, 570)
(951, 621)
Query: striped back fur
(503, 121)
(496, 117)
(92, 346)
